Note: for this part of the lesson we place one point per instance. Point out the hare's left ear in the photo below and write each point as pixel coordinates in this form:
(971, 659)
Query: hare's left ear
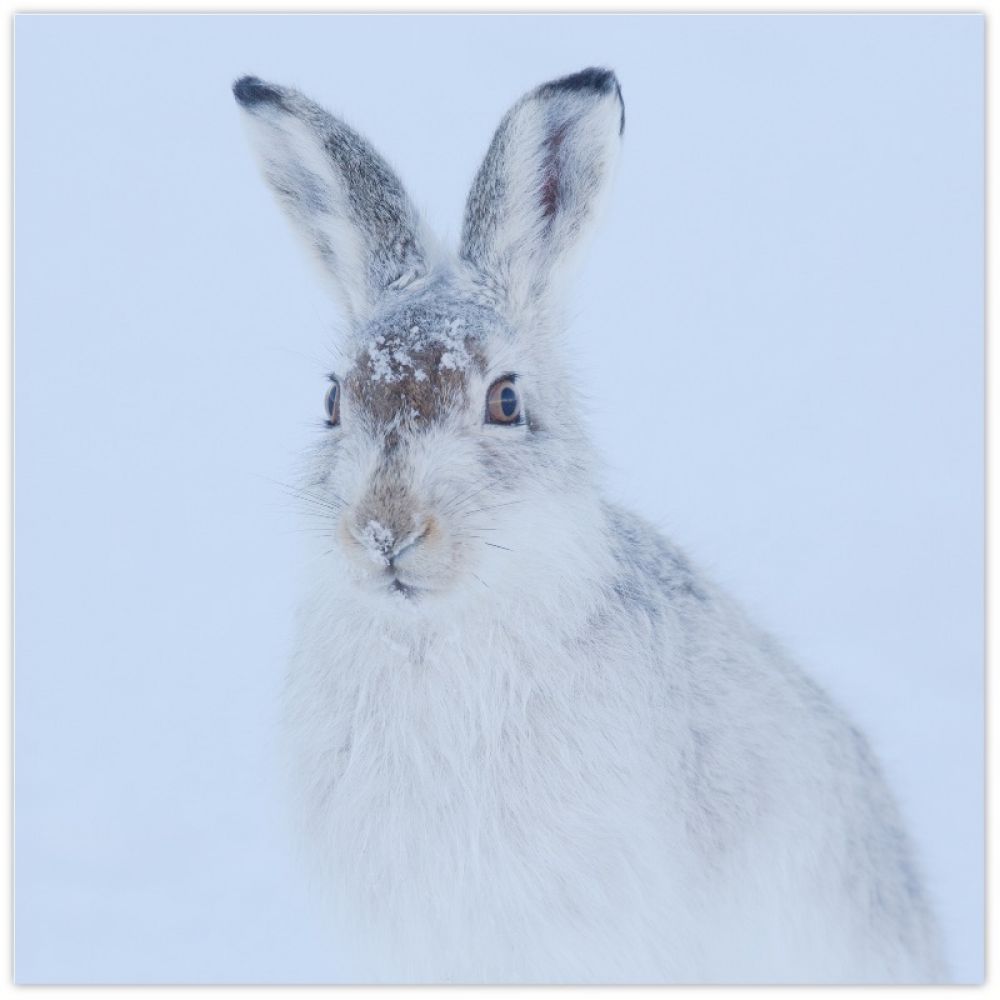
(339, 193)
(540, 184)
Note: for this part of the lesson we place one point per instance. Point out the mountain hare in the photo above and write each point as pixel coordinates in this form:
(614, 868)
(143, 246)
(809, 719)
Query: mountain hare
(531, 742)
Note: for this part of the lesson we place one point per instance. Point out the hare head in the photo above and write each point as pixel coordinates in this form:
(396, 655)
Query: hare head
(451, 439)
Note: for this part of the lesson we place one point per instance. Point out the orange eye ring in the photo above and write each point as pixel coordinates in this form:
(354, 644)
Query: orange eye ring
(331, 403)
(503, 402)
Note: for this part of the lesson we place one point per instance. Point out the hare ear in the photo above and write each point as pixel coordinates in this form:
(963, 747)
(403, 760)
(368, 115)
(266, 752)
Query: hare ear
(340, 194)
(540, 184)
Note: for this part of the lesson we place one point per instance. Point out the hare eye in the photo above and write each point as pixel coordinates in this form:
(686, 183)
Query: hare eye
(503, 402)
(332, 403)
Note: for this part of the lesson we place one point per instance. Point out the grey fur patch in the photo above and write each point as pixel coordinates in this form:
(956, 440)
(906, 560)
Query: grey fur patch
(654, 568)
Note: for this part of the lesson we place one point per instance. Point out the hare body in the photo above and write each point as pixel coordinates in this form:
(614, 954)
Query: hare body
(530, 742)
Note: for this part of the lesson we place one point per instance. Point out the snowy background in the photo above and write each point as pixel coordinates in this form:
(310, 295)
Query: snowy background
(780, 327)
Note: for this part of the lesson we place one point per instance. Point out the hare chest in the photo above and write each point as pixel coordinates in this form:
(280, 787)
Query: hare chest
(485, 814)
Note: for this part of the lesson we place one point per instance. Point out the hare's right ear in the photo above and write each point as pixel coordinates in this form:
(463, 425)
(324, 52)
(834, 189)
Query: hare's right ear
(340, 194)
(540, 184)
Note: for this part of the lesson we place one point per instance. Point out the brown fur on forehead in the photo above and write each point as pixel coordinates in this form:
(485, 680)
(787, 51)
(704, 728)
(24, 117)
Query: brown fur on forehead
(416, 365)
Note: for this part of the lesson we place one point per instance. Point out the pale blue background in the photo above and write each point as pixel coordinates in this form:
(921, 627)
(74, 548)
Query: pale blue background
(780, 327)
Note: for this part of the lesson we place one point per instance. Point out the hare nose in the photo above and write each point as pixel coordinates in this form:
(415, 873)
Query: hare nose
(386, 545)
(411, 541)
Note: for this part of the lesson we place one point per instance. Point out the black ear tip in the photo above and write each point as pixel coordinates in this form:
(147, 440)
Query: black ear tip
(595, 79)
(250, 91)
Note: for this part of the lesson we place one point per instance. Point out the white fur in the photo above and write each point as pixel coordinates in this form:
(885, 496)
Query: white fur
(568, 757)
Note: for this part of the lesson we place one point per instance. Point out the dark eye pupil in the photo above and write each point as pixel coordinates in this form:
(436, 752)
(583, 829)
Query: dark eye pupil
(333, 404)
(508, 401)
